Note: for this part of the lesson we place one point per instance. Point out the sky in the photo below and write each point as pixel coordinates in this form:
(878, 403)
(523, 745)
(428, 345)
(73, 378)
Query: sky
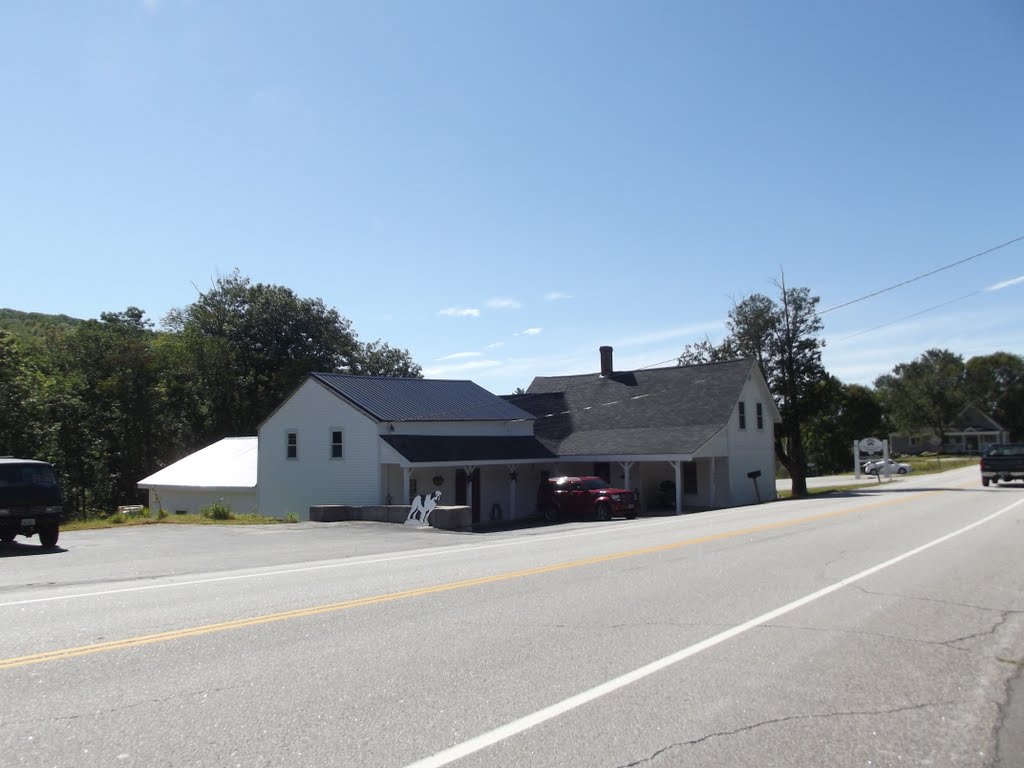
(501, 188)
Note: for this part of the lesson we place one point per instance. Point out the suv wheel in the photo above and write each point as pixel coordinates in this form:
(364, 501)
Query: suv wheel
(603, 511)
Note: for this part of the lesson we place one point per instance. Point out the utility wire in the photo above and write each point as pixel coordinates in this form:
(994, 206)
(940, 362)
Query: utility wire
(921, 277)
(907, 317)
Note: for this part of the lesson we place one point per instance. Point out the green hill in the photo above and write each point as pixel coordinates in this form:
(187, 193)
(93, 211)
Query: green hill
(34, 325)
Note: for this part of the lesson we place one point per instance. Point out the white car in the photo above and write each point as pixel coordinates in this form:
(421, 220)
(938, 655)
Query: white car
(886, 466)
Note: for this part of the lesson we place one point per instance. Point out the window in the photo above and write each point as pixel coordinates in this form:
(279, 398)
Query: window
(292, 445)
(760, 416)
(743, 415)
(337, 451)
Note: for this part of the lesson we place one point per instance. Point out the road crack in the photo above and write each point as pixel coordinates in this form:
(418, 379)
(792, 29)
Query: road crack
(776, 721)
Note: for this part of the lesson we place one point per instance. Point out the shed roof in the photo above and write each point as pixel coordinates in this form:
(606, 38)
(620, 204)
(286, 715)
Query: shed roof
(661, 411)
(228, 463)
(390, 398)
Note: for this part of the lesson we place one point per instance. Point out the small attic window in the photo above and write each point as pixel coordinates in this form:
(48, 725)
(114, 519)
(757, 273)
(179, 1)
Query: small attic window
(743, 414)
(292, 445)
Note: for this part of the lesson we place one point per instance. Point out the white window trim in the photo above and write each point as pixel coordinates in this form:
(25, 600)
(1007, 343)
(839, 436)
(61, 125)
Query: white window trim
(330, 444)
(741, 415)
(759, 416)
(287, 444)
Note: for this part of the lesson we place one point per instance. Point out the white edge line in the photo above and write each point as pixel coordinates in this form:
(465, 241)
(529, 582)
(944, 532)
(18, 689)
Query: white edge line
(508, 730)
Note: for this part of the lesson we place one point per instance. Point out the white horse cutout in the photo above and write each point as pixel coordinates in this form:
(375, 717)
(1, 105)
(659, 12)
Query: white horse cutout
(422, 506)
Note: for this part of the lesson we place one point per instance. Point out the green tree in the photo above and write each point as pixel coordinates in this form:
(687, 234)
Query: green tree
(783, 337)
(105, 410)
(928, 392)
(253, 343)
(379, 359)
(995, 383)
(846, 412)
(20, 407)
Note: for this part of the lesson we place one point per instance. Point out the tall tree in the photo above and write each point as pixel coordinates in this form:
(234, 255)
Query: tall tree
(928, 392)
(251, 344)
(105, 410)
(19, 400)
(846, 412)
(995, 383)
(377, 358)
(783, 337)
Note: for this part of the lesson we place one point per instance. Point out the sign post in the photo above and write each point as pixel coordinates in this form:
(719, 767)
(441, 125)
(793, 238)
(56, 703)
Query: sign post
(868, 445)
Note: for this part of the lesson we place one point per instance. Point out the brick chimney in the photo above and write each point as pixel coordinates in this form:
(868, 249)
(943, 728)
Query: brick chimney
(606, 361)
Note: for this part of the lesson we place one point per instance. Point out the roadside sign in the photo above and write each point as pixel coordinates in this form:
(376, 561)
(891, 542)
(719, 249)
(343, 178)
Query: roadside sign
(870, 445)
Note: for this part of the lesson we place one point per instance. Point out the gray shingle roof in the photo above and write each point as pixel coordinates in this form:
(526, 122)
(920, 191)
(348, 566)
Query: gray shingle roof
(431, 448)
(663, 411)
(388, 398)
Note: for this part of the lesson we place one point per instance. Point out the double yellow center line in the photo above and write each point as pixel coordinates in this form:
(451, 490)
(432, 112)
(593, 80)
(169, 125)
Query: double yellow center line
(301, 613)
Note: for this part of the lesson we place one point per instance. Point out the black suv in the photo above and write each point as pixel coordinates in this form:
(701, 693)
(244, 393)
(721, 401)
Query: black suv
(30, 501)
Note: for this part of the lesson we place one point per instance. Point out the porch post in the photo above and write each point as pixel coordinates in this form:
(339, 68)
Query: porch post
(512, 485)
(406, 477)
(676, 465)
(711, 485)
(469, 485)
(626, 467)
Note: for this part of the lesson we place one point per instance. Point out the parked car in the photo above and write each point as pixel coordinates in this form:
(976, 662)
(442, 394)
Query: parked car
(30, 501)
(885, 466)
(588, 497)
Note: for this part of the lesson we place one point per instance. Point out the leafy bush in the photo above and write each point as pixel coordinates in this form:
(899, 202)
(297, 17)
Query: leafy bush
(291, 517)
(161, 513)
(217, 511)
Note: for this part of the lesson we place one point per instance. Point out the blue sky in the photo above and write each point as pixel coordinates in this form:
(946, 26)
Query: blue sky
(501, 188)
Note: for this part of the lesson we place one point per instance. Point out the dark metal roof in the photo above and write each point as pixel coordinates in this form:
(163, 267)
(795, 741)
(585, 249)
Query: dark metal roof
(431, 448)
(389, 398)
(663, 411)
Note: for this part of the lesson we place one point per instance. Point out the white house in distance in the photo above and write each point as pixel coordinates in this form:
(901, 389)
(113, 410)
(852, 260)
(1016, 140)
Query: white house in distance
(706, 432)
(222, 472)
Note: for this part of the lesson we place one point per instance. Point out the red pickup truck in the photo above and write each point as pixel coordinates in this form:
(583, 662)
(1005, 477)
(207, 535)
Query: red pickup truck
(1002, 461)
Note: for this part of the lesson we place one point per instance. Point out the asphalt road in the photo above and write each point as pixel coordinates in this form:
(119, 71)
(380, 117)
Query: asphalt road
(878, 628)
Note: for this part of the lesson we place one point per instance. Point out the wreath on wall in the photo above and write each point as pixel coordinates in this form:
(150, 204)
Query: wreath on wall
(438, 480)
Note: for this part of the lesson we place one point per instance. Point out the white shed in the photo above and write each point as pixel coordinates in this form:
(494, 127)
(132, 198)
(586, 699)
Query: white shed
(224, 472)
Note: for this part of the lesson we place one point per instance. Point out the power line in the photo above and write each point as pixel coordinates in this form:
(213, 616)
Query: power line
(921, 277)
(907, 317)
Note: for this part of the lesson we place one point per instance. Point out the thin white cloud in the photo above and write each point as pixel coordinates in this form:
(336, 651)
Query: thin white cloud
(503, 302)
(458, 368)
(495, 345)
(691, 333)
(460, 356)
(556, 296)
(530, 332)
(1005, 284)
(459, 312)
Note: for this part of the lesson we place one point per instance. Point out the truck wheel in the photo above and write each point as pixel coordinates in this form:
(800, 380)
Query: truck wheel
(48, 535)
(984, 481)
(631, 515)
(603, 511)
